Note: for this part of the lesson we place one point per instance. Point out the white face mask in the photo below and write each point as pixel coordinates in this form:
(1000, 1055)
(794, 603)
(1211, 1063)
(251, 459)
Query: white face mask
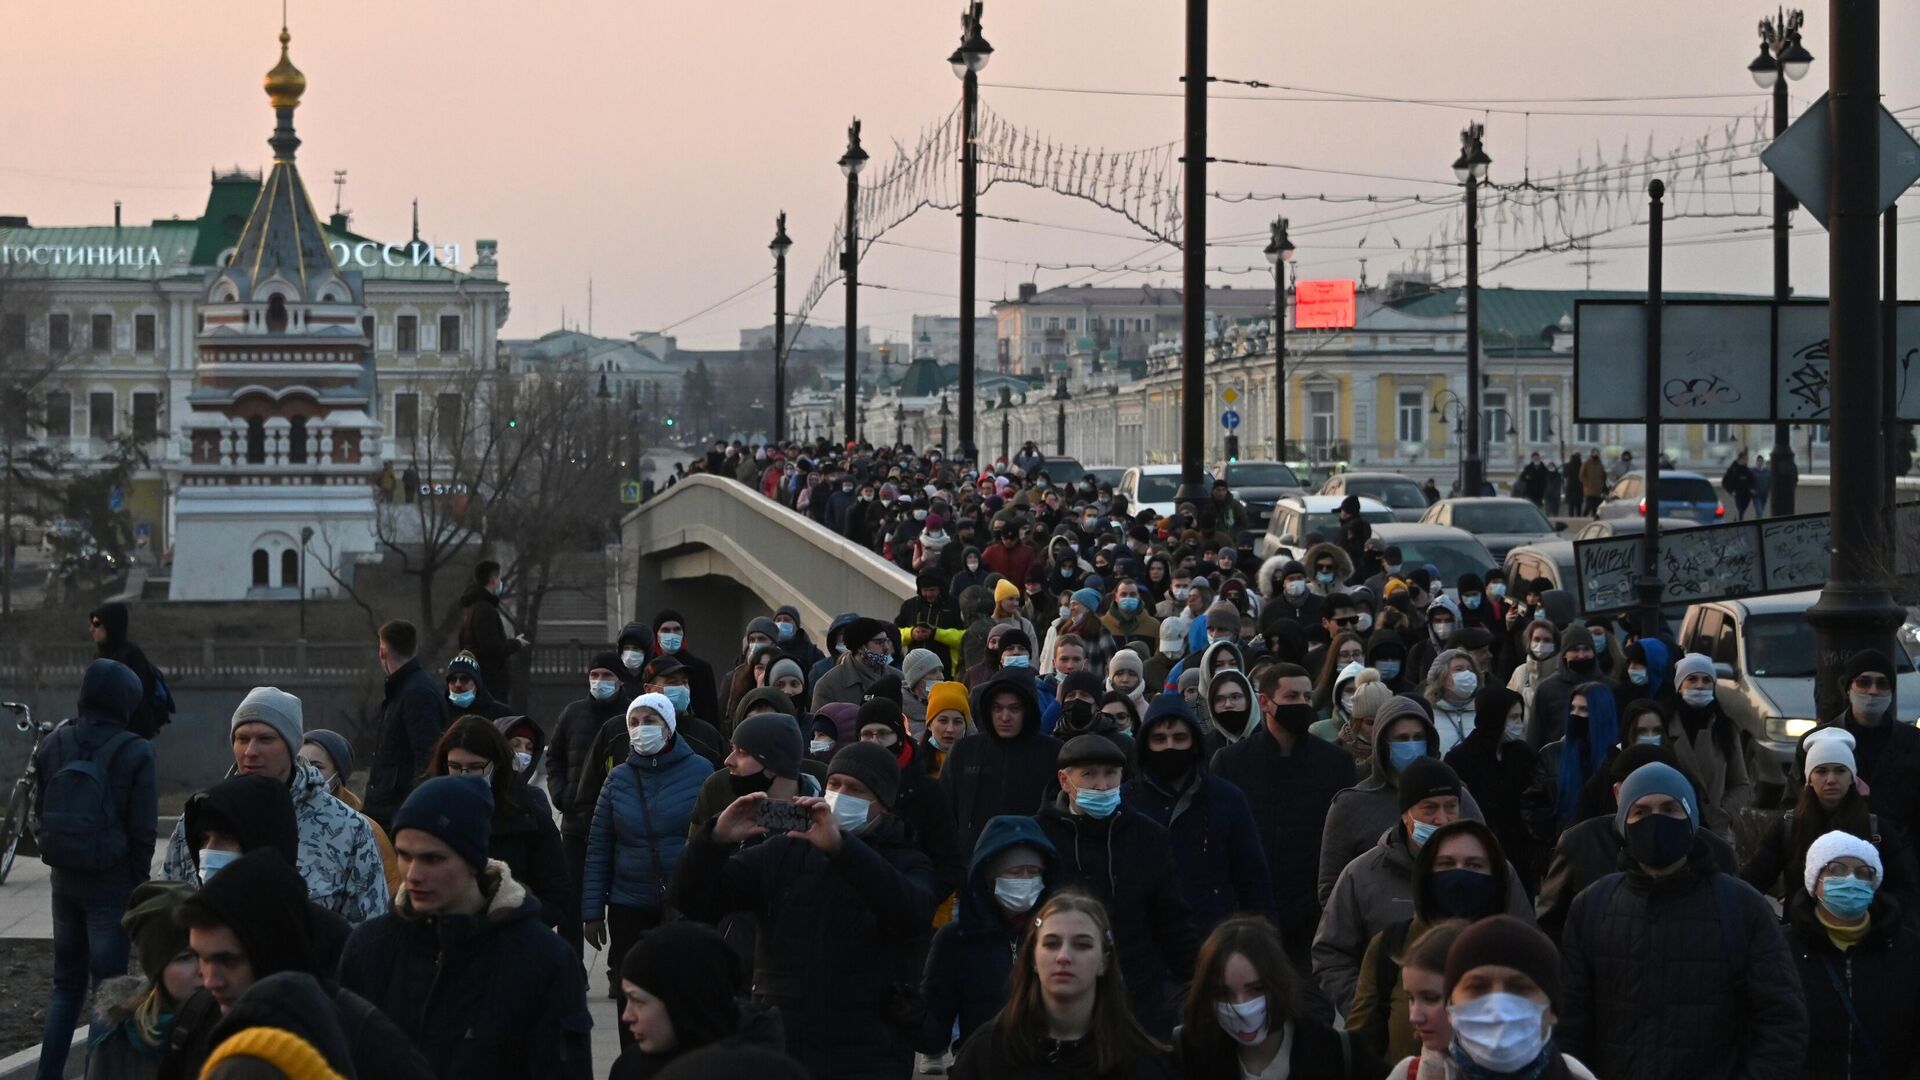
(633, 658)
(212, 862)
(820, 746)
(1246, 1021)
(648, 739)
(1464, 683)
(522, 760)
(1365, 624)
(849, 811)
(1541, 649)
(1017, 894)
(1501, 1032)
(1698, 697)
(1869, 705)
(1516, 730)
(1296, 587)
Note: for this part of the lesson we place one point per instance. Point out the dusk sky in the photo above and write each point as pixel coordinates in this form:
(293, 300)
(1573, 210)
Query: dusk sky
(648, 146)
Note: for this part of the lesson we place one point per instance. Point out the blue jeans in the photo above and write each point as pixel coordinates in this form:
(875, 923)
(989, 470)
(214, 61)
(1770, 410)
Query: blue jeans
(88, 946)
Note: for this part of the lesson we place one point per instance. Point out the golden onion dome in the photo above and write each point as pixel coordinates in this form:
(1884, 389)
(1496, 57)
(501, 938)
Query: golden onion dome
(285, 83)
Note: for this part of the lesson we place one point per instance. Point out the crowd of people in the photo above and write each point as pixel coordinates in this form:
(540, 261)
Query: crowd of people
(1108, 796)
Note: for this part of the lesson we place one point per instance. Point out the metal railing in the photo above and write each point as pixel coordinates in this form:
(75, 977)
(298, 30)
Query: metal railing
(184, 662)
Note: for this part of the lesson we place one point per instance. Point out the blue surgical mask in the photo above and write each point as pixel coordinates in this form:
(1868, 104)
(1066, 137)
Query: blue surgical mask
(1402, 754)
(1422, 832)
(1015, 661)
(603, 689)
(1097, 803)
(1496, 589)
(1129, 604)
(1388, 669)
(1323, 577)
(786, 631)
(463, 699)
(1651, 739)
(1637, 676)
(212, 862)
(679, 697)
(670, 642)
(1472, 602)
(1393, 568)
(1847, 897)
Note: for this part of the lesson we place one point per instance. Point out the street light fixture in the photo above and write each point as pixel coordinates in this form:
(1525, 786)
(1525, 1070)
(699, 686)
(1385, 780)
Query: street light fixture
(1782, 59)
(945, 412)
(967, 62)
(851, 163)
(973, 54)
(1279, 254)
(781, 243)
(1060, 397)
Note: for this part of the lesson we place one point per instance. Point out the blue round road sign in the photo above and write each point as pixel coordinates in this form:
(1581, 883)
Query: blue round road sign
(1229, 419)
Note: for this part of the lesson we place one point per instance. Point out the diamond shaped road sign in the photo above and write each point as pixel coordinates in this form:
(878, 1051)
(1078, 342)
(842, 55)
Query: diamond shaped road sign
(1801, 159)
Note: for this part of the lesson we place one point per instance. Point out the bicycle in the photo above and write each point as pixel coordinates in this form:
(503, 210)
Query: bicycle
(20, 802)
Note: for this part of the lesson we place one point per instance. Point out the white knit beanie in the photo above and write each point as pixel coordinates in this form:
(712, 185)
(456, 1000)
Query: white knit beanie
(1837, 844)
(1830, 746)
(660, 705)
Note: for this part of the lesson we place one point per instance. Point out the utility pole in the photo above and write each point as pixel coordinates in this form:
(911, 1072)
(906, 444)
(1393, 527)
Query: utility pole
(1782, 58)
(1855, 611)
(851, 163)
(1648, 584)
(1471, 168)
(967, 62)
(1279, 254)
(779, 247)
(1193, 308)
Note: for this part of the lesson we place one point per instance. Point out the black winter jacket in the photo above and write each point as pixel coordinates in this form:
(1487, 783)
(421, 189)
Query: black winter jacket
(107, 699)
(485, 636)
(413, 714)
(1881, 975)
(1889, 758)
(983, 1059)
(344, 1026)
(1289, 795)
(922, 806)
(986, 776)
(838, 938)
(525, 838)
(1127, 861)
(1648, 990)
(760, 1026)
(149, 715)
(1588, 852)
(493, 995)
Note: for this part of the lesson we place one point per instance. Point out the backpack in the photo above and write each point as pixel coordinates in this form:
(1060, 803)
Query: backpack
(162, 696)
(79, 826)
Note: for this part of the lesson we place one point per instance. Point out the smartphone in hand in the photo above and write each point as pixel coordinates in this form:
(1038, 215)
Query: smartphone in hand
(781, 816)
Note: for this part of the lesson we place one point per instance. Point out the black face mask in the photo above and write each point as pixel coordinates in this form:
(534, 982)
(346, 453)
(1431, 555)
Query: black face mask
(1234, 720)
(1582, 667)
(1169, 766)
(1658, 840)
(1295, 719)
(747, 785)
(1463, 894)
(1076, 716)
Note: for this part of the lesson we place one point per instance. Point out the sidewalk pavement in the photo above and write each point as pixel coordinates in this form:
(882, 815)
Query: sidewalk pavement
(26, 906)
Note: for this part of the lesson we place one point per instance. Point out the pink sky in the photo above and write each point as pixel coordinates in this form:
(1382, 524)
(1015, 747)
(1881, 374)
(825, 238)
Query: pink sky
(649, 145)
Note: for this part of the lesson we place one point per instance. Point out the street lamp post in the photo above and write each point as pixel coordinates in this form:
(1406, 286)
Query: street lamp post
(945, 412)
(1060, 397)
(1470, 169)
(1193, 249)
(1782, 59)
(1279, 253)
(779, 248)
(1006, 421)
(899, 422)
(851, 163)
(1448, 404)
(967, 62)
(306, 537)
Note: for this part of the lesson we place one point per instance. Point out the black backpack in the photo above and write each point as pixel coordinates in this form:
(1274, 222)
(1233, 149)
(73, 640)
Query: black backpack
(79, 826)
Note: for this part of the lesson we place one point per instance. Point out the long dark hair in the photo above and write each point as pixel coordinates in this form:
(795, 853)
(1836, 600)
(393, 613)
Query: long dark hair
(1022, 1024)
(1330, 670)
(1811, 821)
(1206, 1050)
(477, 735)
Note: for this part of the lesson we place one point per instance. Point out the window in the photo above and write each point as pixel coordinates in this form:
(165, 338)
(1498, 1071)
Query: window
(366, 329)
(406, 416)
(13, 332)
(407, 334)
(277, 315)
(100, 414)
(102, 337)
(1413, 416)
(146, 415)
(1322, 423)
(59, 414)
(1493, 417)
(1036, 348)
(449, 333)
(297, 441)
(1073, 323)
(1821, 435)
(1053, 322)
(1719, 434)
(446, 416)
(1588, 434)
(1540, 416)
(256, 441)
(290, 569)
(59, 333)
(261, 564)
(143, 333)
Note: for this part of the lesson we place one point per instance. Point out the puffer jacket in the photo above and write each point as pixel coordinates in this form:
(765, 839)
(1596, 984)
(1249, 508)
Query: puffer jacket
(986, 776)
(484, 996)
(1648, 990)
(840, 937)
(524, 837)
(108, 696)
(640, 827)
(339, 859)
(1372, 892)
(972, 956)
(116, 1050)
(413, 715)
(1360, 813)
(569, 752)
(1881, 977)
(1588, 852)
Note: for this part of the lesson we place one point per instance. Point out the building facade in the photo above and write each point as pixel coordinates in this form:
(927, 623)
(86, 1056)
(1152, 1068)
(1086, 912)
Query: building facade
(1040, 329)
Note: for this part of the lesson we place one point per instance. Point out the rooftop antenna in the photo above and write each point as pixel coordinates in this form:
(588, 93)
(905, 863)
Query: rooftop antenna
(1589, 262)
(339, 188)
(416, 219)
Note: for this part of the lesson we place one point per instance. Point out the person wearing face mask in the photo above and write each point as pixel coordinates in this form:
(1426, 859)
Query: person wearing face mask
(972, 571)
(1830, 801)
(793, 639)
(1246, 1016)
(570, 752)
(1565, 765)
(669, 639)
(1127, 619)
(949, 719)
(1474, 610)
(522, 833)
(640, 827)
(1328, 568)
(467, 693)
(1707, 742)
(1504, 1000)
(1462, 873)
(529, 745)
(1125, 859)
(1647, 671)
(844, 909)
(1387, 654)
(1672, 969)
(1547, 714)
(751, 671)
(1859, 960)
(1216, 847)
(1376, 888)
(1078, 713)
(1541, 643)
(665, 676)
(1007, 597)
(1452, 680)
(920, 803)
(1496, 761)
(633, 648)
(1283, 584)
(1227, 706)
(1887, 751)
(1443, 618)
(1173, 647)
(486, 632)
(332, 754)
(1011, 872)
(870, 644)
(920, 672)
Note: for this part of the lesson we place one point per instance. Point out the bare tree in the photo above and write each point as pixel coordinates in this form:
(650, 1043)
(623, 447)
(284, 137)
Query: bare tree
(32, 351)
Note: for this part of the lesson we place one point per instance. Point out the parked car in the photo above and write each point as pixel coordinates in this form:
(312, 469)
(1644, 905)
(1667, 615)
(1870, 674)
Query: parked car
(1682, 494)
(1502, 523)
(1397, 492)
(1259, 484)
(1062, 470)
(1763, 661)
(1608, 528)
(1550, 559)
(1150, 487)
(1298, 517)
(1451, 551)
(1106, 474)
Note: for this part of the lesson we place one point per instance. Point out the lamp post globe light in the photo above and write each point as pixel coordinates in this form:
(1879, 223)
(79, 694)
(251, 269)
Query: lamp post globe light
(1279, 253)
(967, 62)
(851, 163)
(781, 243)
(1470, 168)
(1782, 59)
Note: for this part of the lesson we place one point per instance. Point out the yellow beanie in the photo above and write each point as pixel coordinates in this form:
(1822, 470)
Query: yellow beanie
(948, 695)
(279, 1048)
(1005, 590)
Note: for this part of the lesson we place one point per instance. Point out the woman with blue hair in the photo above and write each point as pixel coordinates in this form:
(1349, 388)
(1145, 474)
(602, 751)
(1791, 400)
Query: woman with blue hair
(1565, 765)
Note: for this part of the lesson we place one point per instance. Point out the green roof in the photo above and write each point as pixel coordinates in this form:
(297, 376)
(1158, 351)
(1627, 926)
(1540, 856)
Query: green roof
(174, 242)
(1526, 316)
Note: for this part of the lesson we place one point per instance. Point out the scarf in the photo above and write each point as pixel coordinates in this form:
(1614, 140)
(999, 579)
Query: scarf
(1843, 937)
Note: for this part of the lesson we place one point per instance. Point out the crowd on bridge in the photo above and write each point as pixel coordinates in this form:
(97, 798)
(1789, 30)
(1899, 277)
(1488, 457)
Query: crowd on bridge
(1107, 796)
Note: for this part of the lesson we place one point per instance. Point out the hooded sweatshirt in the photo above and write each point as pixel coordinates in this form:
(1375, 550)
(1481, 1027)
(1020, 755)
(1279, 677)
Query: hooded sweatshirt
(987, 775)
(149, 713)
(972, 956)
(109, 694)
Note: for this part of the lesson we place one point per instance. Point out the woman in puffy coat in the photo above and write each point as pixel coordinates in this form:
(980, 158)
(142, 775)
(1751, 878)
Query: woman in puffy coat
(1829, 801)
(640, 827)
(1859, 959)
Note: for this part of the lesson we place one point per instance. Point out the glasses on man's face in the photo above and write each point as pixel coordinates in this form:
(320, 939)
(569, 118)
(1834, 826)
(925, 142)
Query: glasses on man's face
(1347, 620)
(1118, 716)
(1833, 871)
(1867, 683)
(1324, 568)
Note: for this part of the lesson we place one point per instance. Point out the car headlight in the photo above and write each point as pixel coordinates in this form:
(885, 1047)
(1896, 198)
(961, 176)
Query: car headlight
(1788, 729)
